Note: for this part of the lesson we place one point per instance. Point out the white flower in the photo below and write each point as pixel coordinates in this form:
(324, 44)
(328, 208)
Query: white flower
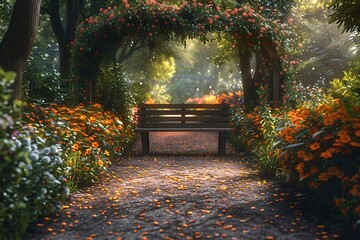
(54, 149)
(66, 191)
(34, 147)
(34, 156)
(45, 151)
(26, 141)
(46, 159)
(43, 191)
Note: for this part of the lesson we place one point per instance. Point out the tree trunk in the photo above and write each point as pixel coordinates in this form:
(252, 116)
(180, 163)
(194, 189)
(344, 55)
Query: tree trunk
(64, 35)
(16, 45)
(247, 80)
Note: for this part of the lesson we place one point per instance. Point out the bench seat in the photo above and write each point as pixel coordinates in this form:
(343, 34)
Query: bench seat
(183, 118)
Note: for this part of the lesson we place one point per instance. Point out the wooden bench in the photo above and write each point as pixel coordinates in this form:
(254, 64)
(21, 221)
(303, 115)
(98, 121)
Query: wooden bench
(183, 117)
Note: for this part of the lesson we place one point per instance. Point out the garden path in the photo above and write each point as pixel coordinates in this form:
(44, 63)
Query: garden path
(184, 191)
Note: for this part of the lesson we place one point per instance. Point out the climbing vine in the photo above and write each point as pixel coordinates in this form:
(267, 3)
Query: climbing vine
(155, 22)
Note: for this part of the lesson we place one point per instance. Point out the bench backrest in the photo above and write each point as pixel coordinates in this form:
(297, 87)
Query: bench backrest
(184, 116)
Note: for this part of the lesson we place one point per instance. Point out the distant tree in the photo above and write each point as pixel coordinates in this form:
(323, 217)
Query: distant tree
(346, 13)
(16, 45)
(64, 30)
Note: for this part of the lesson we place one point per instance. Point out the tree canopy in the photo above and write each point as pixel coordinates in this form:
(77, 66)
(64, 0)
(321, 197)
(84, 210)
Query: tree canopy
(246, 27)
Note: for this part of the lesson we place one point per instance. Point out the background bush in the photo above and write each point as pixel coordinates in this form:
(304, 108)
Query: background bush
(114, 92)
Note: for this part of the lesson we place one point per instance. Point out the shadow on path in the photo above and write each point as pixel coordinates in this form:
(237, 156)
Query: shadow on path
(183, 191)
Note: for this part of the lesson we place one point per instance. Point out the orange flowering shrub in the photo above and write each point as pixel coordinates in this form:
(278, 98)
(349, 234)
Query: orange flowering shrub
(255, 133)
(89, 136)
(234, 99)
(320, 150)
(206, 99)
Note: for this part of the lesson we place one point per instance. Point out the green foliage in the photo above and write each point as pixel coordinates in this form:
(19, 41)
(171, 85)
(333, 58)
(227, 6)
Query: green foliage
(346, 14)
(42, 83)
(114, 92)
(31, 170)
(162, 69)
(256, 133)
(245, 25)
(347, 90)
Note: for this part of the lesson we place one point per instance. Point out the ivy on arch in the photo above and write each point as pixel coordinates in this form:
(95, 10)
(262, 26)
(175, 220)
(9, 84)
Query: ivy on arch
(250, 32)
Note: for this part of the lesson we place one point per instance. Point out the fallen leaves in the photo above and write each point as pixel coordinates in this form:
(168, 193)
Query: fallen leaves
(193, 200)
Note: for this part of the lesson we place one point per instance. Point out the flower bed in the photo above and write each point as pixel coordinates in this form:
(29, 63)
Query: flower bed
(89, 136)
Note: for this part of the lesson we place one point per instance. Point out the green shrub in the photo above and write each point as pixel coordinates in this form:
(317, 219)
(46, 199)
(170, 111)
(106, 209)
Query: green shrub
(31, 170)
(113, 92)
(254, 132)
(42, 83)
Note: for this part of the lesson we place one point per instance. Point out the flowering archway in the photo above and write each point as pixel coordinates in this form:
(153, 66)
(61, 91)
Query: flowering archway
(155, 22)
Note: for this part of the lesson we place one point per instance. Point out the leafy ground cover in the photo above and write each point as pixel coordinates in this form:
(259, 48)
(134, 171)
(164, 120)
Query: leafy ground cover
(196, 195)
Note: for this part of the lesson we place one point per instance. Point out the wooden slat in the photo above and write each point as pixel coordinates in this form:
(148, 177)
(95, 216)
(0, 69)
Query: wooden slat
(183, 112)
(187, 106)
(185, 119)
(184, 129)
(183, 125)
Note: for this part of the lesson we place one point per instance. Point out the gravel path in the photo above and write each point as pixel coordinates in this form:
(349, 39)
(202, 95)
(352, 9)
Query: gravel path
(184, 191)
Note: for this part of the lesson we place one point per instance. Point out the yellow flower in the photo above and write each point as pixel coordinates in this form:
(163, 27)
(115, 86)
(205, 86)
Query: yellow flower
(82, 117)
(107, 153)
(100, 163)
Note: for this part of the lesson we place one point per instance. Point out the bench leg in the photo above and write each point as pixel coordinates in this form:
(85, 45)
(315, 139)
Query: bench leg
(145, 143)
(222, 143)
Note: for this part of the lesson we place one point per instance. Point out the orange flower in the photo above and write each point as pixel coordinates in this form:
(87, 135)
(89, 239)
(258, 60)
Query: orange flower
(300, 169)
(75, 147)
(344, 136)
(357, 210)
(87, 151)
(355, 144)
(314, 184)
(82, 117)
(335, 171)
(328, 153)
(357, 133)
(92, 119)
(323, 176)
(328, 121)
(301, 154)
(355, 191)
(95, 144)
(313, 170)
(314, 146)
(339, 201)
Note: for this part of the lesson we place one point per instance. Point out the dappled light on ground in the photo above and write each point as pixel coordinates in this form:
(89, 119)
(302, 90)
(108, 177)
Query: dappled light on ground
(200, 196)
